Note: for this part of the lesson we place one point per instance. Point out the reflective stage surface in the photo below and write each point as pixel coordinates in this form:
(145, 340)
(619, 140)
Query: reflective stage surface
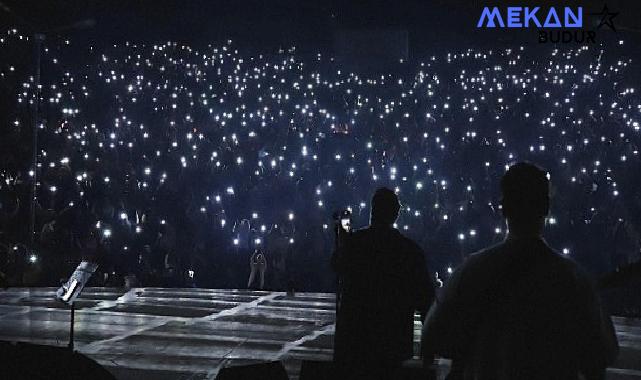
(156, 333)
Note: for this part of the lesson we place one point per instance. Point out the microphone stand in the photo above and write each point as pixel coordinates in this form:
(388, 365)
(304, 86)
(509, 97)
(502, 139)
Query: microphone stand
(73, 312)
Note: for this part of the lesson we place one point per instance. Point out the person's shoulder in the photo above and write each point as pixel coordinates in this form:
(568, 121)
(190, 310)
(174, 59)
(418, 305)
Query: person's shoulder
(555, 258)
(360, 234)
(485, 255)
(408, 245)
(568, 266)
(359, 237)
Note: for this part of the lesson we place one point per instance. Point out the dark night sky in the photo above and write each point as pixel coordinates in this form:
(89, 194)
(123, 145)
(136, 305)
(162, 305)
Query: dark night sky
(269, 23)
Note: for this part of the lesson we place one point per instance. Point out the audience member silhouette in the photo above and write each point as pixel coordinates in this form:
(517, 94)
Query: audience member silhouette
(519, 310)
(258, 266)
(383, 281)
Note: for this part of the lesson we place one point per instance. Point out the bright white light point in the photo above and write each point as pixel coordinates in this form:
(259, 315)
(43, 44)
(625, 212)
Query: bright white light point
(461, 236)
(123, 216)
(235, 241)
(450, 270)
(33, 258)
(106, 233)
(566, 251)
(291, 216)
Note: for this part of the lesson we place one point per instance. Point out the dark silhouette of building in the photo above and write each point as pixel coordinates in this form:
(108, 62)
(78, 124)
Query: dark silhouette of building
(383, 281)
(519, 310)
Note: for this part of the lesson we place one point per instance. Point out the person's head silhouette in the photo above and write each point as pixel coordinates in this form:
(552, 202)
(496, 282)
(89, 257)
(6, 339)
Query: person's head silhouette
(526, 199)
(385, 207)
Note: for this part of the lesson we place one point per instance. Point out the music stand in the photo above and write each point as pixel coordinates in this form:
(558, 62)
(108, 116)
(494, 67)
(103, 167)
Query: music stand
(70, 290)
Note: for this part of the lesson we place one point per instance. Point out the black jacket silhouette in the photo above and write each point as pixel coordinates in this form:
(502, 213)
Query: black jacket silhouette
(519, 310)
(384, 280)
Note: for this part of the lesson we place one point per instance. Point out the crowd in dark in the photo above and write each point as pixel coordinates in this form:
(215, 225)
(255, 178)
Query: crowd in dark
(172, 164)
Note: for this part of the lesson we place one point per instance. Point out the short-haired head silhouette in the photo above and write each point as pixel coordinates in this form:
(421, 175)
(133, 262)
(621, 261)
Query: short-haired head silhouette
(525, 198)
(385, 207)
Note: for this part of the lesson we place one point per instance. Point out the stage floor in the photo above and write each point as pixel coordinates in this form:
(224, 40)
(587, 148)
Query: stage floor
(157, 333)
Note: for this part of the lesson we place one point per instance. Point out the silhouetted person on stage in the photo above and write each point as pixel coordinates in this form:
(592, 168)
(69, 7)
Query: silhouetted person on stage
(258, 265)
(519, 310)
(383, 281)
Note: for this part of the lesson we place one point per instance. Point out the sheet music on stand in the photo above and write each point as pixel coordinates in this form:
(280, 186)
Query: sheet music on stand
(69, 291)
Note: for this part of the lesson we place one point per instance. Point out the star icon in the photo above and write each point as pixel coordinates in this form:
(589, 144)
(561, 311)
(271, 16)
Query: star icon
(606, 18)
